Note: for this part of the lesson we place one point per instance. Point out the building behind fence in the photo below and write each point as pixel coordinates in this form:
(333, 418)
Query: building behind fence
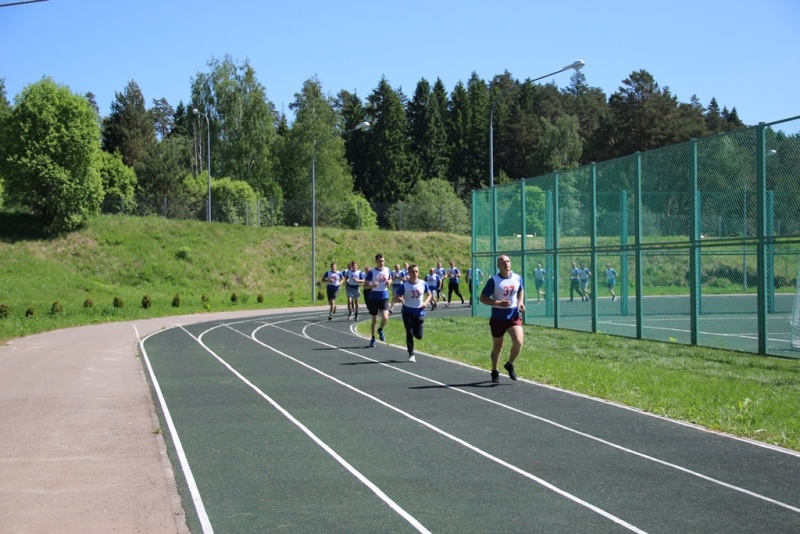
(704, 238)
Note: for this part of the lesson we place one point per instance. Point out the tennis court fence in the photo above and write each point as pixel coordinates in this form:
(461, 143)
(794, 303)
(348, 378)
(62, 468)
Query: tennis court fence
(703, 239)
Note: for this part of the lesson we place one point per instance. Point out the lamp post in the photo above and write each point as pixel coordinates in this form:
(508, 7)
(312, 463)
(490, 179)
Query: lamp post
(577, 65)
(208, 156)
(364, 125)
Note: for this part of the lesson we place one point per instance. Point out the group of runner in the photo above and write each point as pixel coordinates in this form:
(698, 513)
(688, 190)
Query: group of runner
(504, 292)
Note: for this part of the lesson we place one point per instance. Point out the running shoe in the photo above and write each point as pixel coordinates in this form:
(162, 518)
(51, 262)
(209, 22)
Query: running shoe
(495, 376)
(510, 368)
(329, 317)
(380, 334)
(412, 358)
(372, 343)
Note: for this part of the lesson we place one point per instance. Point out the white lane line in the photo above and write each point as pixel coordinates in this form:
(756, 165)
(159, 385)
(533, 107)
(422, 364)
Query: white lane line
(441, 432)
(559, 425)
(363, 479)
(197, 500)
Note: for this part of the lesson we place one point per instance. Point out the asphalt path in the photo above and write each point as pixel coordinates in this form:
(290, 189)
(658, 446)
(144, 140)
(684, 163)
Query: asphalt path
(290, 422)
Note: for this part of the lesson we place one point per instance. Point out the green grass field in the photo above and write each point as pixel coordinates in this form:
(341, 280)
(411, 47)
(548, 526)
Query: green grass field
(129, 258)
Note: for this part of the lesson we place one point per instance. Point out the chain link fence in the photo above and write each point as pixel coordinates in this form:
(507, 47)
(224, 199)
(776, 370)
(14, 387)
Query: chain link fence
(702, 240)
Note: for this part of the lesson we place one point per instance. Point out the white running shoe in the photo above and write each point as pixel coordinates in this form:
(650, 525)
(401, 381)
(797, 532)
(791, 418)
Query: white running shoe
(412, 358)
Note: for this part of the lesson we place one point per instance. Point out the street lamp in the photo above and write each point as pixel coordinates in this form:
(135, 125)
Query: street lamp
(577, 65)
(208, 157)
(363, 126)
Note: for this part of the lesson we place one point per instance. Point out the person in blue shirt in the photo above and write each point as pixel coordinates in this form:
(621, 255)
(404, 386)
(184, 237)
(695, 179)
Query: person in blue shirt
(611, 281)
(453, 278)
(477, 280)
(333, 278)
(584, 276)
(505, 293)
(414, 294)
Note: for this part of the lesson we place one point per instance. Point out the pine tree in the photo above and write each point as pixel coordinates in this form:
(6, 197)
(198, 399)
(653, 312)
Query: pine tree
(129, 127)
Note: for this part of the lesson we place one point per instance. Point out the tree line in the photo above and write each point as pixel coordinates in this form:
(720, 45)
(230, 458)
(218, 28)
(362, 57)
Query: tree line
(62, 160)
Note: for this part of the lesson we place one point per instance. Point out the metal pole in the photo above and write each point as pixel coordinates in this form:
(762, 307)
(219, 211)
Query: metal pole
(208, 159)
(314, 225)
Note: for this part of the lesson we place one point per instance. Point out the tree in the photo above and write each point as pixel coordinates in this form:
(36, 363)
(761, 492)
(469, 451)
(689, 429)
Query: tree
(356, 145)
(163, 117)
(50, 155)
(129, 128)
(242, 123)
(589, 105)
(393, 172)
(119, 184)
(5, 111)
(359, 215)
(431, 206)
(428, 136)
(161, 181)
(316, 130)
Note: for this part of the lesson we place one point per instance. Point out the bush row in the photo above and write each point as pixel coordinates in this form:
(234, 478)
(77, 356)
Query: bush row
(147, 302)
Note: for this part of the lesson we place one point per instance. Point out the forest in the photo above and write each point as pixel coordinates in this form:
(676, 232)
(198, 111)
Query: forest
(62, 158)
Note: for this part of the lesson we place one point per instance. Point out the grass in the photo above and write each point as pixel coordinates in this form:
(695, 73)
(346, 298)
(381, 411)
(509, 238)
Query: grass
(742, 394)
(130, 258)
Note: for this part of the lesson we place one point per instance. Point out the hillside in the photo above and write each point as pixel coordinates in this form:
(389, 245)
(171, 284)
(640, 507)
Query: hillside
(131, 257)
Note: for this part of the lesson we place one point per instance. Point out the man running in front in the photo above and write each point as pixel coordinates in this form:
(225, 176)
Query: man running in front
(505, 294)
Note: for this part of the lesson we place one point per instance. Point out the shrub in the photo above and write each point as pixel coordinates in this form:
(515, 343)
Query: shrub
(118, 303)
(183, 253)
(234, 298)
(176, 301)
(30, 313)
(3, 311)
(146, 302)
(88, 303)
(260, 298)
(56, 308)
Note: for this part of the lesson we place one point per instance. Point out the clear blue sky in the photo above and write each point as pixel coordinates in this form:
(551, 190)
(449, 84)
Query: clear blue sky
(745, 53)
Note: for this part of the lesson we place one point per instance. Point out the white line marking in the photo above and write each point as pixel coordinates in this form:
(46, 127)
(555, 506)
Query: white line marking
(205, 523)
(557, 425)
(438, 430)
(364, 480)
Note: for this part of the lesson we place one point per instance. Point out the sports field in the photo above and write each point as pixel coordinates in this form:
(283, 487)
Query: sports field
(290, 422)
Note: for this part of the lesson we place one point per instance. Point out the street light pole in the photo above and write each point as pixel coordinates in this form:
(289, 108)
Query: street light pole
(363, 126)
(208, 158)
(577, 65)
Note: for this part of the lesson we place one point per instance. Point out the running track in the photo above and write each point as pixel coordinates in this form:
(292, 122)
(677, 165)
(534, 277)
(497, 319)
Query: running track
(290, 423)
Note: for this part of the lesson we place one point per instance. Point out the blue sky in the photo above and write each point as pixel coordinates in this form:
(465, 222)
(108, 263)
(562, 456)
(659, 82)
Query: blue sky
(742, 52)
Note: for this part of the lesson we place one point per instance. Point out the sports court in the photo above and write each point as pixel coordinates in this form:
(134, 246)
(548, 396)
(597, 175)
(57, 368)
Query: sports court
(291, 423)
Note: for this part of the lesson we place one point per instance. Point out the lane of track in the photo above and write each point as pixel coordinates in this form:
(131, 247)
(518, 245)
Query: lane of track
(449, 450)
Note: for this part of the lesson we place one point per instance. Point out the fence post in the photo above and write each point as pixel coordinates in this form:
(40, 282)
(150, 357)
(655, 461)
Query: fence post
(638, 242)
(694, 248)
(593, 243)
(761, 233)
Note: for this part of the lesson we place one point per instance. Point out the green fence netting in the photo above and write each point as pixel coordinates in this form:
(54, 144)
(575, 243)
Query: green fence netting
(704, 238)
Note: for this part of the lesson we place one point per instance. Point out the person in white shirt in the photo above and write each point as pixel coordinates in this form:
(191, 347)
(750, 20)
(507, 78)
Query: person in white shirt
(378, 280)
(333, 278)
(414, 294)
